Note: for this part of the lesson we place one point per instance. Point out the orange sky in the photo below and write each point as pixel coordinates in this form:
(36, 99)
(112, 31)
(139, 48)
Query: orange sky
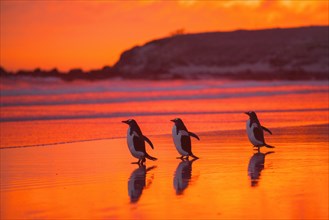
(91, 34)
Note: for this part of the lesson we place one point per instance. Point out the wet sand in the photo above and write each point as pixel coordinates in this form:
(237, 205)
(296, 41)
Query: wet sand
(96, 180)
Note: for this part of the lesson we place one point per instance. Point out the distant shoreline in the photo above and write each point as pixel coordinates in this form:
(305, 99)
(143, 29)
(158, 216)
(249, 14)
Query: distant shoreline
(100, 75)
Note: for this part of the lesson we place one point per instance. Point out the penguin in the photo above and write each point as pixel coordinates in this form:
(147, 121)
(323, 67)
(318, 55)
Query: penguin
(182, 140)
(255, 131)
(256, 165)
(183, 175)
(136, 142)
(137, 182)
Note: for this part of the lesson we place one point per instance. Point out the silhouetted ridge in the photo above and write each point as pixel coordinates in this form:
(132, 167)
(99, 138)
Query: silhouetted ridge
(292, 53)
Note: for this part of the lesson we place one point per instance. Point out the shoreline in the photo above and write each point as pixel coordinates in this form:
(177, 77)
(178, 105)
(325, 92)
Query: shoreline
(202, 133)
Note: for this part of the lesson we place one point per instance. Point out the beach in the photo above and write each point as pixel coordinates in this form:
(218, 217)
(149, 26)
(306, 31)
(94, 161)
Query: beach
(230, 98)
(96, 180)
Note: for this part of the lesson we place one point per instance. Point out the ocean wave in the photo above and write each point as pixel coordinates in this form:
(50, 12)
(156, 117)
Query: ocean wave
(135, 114)
(145, 98)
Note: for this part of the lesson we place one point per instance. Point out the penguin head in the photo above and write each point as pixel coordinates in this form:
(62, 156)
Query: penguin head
(251, 114)
(177, 121)
(130, 122)
(179, 124)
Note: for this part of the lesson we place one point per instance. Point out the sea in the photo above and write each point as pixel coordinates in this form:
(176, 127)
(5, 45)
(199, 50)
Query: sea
(43, 111)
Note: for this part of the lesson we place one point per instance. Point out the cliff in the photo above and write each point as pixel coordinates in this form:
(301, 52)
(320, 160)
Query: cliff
(295, 53)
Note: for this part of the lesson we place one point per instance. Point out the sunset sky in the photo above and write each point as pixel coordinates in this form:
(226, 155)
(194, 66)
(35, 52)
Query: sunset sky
(92, 34)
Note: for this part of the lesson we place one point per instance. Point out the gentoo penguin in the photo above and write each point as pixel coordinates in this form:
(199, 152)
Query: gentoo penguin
(182, 140)
(183, 175)
(137, 182)
(136, 142)
(255, 131)
(255, 167)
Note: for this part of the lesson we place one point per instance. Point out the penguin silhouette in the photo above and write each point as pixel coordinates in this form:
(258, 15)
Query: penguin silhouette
(255, 131)
(136, 142)
(182, 139)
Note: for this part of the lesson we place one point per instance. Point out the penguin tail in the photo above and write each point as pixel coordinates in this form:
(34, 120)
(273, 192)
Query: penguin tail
(150, 157)
(269, 146)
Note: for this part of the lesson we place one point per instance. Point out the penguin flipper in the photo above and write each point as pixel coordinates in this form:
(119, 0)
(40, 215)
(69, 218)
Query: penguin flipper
(193, 135)
(266, 129)
(148, 141)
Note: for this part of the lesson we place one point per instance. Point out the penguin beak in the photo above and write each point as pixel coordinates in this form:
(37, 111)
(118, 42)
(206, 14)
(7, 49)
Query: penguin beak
(173, 120)
(125, 122)
(247, 113)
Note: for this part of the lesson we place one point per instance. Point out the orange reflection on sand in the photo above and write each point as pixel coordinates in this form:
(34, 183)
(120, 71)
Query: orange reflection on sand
(90, 180)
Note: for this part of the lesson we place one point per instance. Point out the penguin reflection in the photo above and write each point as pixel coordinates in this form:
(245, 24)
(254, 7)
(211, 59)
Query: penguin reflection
(137, 182)
(256, 165)
(183, 175)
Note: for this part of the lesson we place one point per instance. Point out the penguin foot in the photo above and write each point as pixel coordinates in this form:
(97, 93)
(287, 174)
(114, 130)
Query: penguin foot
(195, 157)
(185, 158)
